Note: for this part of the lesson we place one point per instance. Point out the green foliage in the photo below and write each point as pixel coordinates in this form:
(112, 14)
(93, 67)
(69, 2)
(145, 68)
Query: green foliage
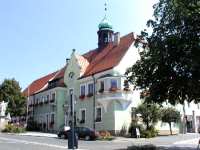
(150, 114)
(105, 136)
(10, 91)
(149, 133)
(135, 125)
(142, 147)
(10, 128)
(169, 68)
(144, 133)
(170, 115)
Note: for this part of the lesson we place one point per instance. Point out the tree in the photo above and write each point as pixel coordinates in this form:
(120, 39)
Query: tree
(10, 92)
(169, 65)
(150, 114)
(170, 115)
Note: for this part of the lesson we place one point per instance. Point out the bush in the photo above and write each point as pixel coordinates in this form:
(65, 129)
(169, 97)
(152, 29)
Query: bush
(33, 126)
(14, 129)
(134, 126)
(142, 147)
(105, 135)
(149, 133)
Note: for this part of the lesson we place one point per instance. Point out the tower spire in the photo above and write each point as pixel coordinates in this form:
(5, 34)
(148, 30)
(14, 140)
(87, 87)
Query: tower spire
(105, 33)
(106, 7)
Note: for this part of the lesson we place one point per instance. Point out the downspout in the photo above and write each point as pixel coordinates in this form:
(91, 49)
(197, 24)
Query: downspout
(94, 101)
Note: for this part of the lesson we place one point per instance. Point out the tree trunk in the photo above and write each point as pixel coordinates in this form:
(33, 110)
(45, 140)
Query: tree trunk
(147, 123)
(170, 127)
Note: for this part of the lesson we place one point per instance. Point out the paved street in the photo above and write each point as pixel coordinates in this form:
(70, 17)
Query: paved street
(10, 142)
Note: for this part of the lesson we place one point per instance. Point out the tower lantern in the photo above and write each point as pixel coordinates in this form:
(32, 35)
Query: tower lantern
(105, 33)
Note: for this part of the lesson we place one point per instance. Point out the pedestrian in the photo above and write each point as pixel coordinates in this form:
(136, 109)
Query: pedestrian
(137, 133)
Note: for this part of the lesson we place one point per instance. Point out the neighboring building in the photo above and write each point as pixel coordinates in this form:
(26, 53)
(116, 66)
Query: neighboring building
(95, 81)
(46, 98)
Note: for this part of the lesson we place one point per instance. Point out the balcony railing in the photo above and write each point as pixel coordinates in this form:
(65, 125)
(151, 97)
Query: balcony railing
(115, 94)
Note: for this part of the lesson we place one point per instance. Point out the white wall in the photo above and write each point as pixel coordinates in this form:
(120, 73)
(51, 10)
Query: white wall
(128, 60)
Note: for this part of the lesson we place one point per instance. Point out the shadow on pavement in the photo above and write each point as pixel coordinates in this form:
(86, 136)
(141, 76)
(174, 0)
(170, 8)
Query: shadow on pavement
(171, 148)
(177, 148)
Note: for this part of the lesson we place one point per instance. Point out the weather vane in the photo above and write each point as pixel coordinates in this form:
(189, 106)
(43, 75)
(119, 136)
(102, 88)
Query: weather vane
(106, 6)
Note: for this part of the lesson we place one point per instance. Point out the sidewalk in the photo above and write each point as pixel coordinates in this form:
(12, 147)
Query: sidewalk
(39, 134)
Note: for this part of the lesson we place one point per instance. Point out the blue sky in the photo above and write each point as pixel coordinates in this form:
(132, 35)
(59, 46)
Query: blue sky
(36, 36)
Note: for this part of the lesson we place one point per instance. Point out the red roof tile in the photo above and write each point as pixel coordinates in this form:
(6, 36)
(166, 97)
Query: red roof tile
(38, 84)
(92, 62)
(108, 57)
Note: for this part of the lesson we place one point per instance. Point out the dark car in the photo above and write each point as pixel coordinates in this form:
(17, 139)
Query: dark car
(82, 132)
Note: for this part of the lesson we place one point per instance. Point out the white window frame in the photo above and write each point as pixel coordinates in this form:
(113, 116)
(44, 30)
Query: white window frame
(47, 98)
(88, 87)
(42, 100)
(100, 84)
(96, 114)
(80, 114)
(85, 89)
(52, 94)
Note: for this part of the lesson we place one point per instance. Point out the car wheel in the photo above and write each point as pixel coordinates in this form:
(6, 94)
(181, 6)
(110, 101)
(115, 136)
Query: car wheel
(87, 137)
(62, 136)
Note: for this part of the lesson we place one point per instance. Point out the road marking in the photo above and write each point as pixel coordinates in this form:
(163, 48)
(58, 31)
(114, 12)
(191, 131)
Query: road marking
(35, 143)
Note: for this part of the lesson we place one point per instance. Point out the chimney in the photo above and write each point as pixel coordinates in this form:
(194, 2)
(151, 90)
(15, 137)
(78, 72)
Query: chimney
(116, 39)
(67, 61)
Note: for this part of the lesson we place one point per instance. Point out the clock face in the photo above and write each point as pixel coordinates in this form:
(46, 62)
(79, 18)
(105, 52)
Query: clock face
(71, 75)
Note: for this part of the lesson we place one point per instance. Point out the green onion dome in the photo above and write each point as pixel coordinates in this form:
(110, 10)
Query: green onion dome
(105, 24)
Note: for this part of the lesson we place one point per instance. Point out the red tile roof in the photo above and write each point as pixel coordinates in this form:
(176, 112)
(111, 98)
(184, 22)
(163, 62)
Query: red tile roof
(108, 57)
(38, 84)
(92, 62)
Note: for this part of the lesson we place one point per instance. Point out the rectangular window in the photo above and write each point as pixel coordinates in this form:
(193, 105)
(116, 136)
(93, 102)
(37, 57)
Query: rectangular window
(101, 87)
(83, 116)
(90, 89)
(113, 83)
(53, 97)
(37, 101)
(42, 99)
(47, 100)
(52, 118)
(98, 114)
(82, 90)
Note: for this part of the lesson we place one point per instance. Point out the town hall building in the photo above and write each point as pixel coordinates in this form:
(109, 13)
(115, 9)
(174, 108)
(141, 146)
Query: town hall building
(96, 83)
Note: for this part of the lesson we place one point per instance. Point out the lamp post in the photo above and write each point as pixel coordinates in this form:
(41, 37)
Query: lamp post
(94, 100)
(72, 116)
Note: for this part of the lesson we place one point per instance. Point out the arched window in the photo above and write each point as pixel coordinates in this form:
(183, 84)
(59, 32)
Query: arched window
(105, 37)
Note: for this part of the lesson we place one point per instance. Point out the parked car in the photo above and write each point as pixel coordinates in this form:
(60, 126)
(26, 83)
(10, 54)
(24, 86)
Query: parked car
(82, 132)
